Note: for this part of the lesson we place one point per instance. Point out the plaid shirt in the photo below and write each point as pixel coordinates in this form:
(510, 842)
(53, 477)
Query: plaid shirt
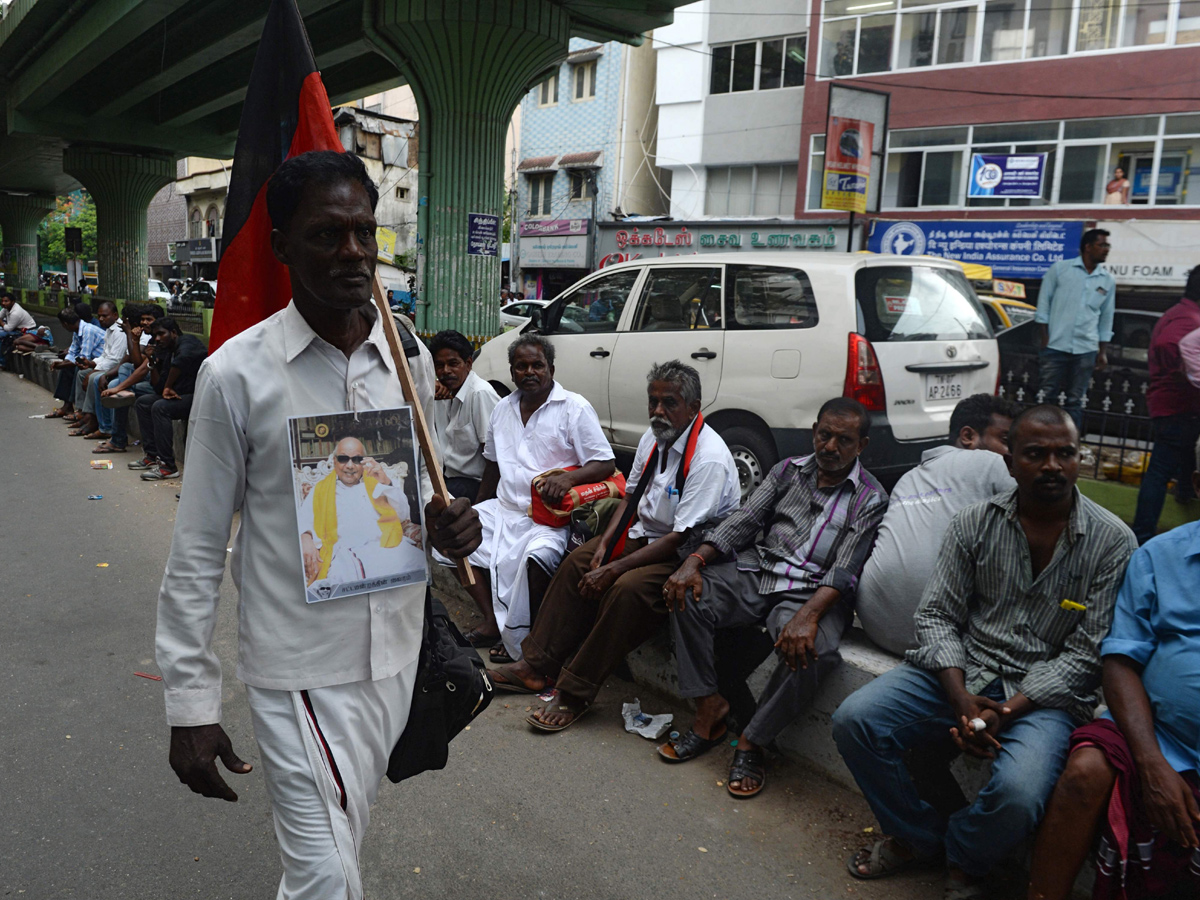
(88, 342)
(985, 613)
(813, 536)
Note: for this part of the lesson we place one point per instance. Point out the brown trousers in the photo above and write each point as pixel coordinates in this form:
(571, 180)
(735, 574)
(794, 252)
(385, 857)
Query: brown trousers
(578, 641)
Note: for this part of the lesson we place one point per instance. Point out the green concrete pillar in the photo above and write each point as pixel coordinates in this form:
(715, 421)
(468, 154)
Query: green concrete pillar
(122, 184)
(469, 64)
(19, 220)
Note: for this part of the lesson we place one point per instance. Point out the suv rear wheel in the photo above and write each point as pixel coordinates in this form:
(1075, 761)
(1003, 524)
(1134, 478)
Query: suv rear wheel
(753, 452)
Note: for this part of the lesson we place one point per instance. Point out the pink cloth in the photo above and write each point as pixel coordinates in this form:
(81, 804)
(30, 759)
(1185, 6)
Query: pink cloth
(1189, 355)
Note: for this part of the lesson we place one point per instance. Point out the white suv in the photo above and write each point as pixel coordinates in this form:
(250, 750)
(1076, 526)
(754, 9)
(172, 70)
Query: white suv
(774, 335)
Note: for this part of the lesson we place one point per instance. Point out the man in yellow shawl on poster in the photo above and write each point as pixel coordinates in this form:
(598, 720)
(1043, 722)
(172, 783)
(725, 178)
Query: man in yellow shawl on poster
(354, 523)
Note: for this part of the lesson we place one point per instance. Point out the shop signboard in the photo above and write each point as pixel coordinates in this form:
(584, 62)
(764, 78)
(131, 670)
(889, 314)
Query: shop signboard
(385, 244)
(847, 172)
(554, 226)
(1007, 174)
(483, 234)
(1150, 254)
(623, 241)
(1012, 248)
(555, 251)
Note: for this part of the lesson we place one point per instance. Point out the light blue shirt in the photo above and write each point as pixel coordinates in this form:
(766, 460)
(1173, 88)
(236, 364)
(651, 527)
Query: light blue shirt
(1077, 305)
(1157, 625)
(90, 337)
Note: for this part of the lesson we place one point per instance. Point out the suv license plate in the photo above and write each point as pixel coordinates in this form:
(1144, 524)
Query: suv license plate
(944, 387)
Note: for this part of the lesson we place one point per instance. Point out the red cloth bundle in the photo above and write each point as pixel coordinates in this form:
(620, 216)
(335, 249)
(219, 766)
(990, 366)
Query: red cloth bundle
(560, 516)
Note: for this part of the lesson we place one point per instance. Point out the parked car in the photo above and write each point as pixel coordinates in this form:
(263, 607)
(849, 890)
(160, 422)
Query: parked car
(1004, 312)
(158, 291)
(517, 314)
(773, 337)
(204, 292)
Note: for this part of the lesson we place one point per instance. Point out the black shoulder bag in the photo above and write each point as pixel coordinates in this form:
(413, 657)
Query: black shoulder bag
(451, 689)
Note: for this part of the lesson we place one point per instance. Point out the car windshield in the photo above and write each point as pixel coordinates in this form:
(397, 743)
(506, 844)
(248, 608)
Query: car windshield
(918, 303)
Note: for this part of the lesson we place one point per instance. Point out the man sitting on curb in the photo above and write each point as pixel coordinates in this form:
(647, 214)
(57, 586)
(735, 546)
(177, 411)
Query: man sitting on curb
(87, 342)
(920, 508)
(461, 412)
(1146, 745)
(133, 380)
(817, 516)
(87, 395)
(177, 363)
(1006, 663)
(597, 610)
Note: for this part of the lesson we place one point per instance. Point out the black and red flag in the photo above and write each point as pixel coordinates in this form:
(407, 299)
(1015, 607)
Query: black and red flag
(286, 112)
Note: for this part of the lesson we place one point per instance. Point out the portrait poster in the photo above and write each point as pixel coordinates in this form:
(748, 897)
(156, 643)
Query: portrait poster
(358, 502)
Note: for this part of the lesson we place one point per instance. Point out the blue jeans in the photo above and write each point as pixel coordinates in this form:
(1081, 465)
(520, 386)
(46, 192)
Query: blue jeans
(1173, 456)
(1067, 374)
(907, 708)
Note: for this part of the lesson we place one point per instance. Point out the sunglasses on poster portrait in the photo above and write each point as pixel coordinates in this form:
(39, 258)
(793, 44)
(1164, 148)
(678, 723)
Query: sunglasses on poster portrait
(357, 460)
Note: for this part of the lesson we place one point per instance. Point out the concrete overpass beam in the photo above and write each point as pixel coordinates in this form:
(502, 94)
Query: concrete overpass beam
(469, 63)
(121, 183)
(19, 220)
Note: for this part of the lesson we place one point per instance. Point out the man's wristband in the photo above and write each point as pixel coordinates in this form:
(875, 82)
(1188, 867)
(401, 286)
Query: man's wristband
(703, 563)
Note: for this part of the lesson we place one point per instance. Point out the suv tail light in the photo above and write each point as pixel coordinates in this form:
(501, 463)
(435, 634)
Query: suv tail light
(864, 378)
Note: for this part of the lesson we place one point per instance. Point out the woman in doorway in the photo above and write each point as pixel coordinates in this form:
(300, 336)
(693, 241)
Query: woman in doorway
(1117, 190)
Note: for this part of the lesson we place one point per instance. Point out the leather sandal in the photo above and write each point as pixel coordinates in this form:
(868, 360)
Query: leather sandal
(689, 746)
(747, 764)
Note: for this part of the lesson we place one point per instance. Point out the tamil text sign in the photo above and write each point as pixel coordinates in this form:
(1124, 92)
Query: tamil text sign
(1007, 174)
(1013, 249)
(483, 234)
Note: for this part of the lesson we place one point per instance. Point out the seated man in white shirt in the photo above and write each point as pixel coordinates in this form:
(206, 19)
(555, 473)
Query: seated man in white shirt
(539, 427)
(923, 502)
(366, 531)
(600, 605)
(15, 324)
(461, 413)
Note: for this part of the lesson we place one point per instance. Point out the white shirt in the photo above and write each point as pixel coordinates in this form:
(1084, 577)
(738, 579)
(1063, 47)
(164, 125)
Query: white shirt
(357, 517)
(116, 345)
(239, 459)
(1189, 355)
(712, 487)
(461, 424)
(16, 319)
(564, 431)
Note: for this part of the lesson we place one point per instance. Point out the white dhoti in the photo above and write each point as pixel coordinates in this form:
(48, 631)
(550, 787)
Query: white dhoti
(370, 560)
(324, 752)
(510, 540)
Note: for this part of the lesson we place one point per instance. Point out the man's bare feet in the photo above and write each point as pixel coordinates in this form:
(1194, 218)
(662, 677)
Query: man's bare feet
(519, 673)
(710, 716)
(561, 713)
(892, 857)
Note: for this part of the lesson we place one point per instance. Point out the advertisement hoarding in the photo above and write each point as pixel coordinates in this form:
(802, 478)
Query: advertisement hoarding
(1013, 249)
(1006, 174)
(846, 179)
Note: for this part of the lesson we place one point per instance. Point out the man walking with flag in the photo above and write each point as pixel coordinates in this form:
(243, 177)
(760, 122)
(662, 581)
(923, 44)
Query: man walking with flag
(329, 684)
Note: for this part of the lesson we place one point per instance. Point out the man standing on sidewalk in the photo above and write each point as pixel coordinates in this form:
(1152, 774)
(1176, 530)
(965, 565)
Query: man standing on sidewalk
(1174, 403)
(1075, 316)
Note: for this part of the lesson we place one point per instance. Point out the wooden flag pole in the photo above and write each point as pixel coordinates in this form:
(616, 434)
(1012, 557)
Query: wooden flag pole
(432, 465)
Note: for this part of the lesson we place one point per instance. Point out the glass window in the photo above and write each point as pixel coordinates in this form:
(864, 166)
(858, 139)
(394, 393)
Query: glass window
(549, 91)
(743, 66)
(816, 169)
(875, 44)
(1182, 125)
(1102, 128)
(722, 68)
(540, 190)
(595, 306)
(767, 198)
(1097, 24)
(1050, 27)
(943, 173)
(902, 186)
(1136, 161)
(680, 300)
(794, 56)
(1145, 23)
(1004, 35)
(837, 47)
(956, 36)
(741, 190)
(770, 297)
(927, 137)
(1017, 131)
(579, 186)
(916, 39)
(585, 80)
(919, 303)
(1082, 174)
(770, 71)
(716, 192)
(1187, 29)
(1176, 162)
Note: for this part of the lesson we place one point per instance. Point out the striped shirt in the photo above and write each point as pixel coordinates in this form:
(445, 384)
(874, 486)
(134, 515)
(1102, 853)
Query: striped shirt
(812, 536)
(985, 613)
(88, 342)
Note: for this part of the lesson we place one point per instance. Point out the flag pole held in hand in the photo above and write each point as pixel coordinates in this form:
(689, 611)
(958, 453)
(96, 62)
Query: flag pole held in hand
(432, 465)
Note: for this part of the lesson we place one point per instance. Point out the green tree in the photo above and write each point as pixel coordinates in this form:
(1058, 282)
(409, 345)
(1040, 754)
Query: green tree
(75, 210)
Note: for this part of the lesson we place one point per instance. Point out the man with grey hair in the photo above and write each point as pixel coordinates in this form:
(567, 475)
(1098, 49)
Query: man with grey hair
(607, 596)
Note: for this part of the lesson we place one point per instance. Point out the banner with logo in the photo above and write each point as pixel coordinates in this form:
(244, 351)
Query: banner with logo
(847, 173)
(1013, 249)
(1006, 174)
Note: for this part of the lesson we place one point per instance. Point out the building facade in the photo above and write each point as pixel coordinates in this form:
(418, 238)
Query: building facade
(585, 155)
(166, 223)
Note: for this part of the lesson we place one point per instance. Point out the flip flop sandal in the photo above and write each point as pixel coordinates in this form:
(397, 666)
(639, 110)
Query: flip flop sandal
(747, 763)
(107, 447)
(57, 414)
(691, 745)
(78, 432)
(882, 861)
(537, 723)
(509, 687)
(499, 655)
(478, 639)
